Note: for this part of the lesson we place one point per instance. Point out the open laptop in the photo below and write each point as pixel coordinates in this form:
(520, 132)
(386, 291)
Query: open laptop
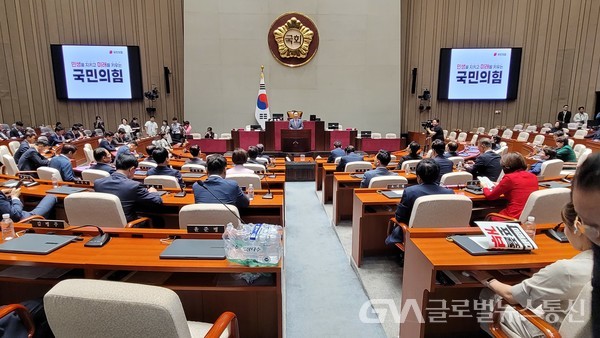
(365, 134)
(37, 244)
(333, 125)
(195, 249)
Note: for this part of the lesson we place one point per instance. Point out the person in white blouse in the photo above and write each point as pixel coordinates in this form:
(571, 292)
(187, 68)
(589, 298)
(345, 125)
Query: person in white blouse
(125, 126)
(581, 117)
(239, 157)
(151, 127)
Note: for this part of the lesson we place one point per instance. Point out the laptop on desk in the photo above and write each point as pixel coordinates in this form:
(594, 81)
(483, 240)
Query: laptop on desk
(37, 244)
(66, 190)
(195, 249)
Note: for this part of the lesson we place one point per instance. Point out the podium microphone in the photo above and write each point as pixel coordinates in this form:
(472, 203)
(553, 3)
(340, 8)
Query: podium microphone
(98, 241)
(268, 195)
(201, 183)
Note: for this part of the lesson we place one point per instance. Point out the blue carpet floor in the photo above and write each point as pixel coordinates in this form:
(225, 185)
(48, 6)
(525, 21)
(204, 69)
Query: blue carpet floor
(323, 294)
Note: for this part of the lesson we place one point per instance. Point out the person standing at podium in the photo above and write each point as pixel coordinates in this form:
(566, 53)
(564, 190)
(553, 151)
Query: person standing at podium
(296, 123)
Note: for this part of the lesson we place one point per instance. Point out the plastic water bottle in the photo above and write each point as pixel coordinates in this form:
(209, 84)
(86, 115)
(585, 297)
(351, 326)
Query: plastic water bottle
(54, 181)
(459, 166)
(8, 228)
(250, 191)
(529, 227)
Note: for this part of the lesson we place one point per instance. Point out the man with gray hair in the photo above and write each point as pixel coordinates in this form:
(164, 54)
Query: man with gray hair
(487, 163)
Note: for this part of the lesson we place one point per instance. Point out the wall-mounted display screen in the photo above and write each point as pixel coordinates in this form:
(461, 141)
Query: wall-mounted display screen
(479, 73)
(85, 72)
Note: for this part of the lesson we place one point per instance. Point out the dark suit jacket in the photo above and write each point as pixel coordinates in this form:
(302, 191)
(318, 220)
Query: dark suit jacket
(335, 153)
(567, 117)
(486, 164)
(14, 132)
(31, 160)
(164, 170)
(107, 145)
(411, 194)
(196, 160)
(228, 191)
(352, 157)
(63, 165)
(12, 207)
(55, 139)
(446, 166)
(379, 171)
(22, 149)
(104, 166)
(130, 192)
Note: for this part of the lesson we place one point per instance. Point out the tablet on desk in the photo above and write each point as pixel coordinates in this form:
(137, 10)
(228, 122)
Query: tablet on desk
(195, 249)
(474, 245)
(37, 244)
(66, 190)
(192, 175)
(396, 193)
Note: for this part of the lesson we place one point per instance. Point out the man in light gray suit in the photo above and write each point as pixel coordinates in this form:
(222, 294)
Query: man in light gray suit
(296, 123)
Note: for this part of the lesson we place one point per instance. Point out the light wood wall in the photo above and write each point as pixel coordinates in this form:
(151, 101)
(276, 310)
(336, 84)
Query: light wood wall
(28, 27)
(560, 65)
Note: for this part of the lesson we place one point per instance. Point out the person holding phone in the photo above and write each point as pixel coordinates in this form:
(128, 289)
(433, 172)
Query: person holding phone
(11, 204)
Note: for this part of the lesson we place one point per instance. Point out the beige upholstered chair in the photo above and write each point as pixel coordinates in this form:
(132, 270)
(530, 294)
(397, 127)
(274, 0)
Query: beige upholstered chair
(503, 150)
(452, 136)
(523, 136)
(385, 181)
(391, 135)
(4, 151)
(445, 133)
(97, 208)
(337, 160)
(462, 137)
(457, 178)
(571, 142)
(474, 139)
(456, 160)
(196, 136)
(358, 166)
(551, 169)
(375, 135)
(578, 149)
(197, 168)
(89, 155)
(10, 165)
(207, 214)
(538, 140)
(14, 146)
(507, 134)
(262, 160)
(493, 132)
(580, 134)
(545, 205)
(480, 130)
(409, 164)
(243, 180)
(257, 168)
(573, 126)
(393, 158)
(165, 180)
(101, 308)
(531, 129)
(569, 167)
(544, 130)
(144, 165)
(518, 127)
(225, 136)
(547, 125)
(93, 174)
(46, 173)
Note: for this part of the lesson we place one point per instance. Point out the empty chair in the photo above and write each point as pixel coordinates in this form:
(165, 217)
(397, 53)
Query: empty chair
(503, 150)
(93, 174)
(580, 134)
(409, 164)
(518, 127)
(531, 129)
(243, 180)
(46, 173)
(456, 160)
(196, 168)
(578, 149)
(376, 135)
(545, 205)
(493, 132)
(544, 130)
(462, 137)
(13, 146)
(570, 168)
(99, 132)
(391, 135)
(88, 133)
(571, 142)
(144, 165)
(9, 165)
(523, 136)
(337, 160)
(101, 308)
(393, 158)
(262, 160)
(474, 139)
(452, 136)
(4, 151)
(257, 168)
(99, 209)
(196, 136)
(225, 136)
(385, 181)
(358, 166)
(573, 126)
(89, 155)
(507, 134)
(551, 168)
(457, 178)
(208, 214)
(165, 180)
(480, 130)
(445, 133)
(547, 125)
(538, 140)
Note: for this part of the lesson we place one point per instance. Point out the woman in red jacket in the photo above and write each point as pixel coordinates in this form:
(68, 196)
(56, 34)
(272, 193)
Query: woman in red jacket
(516, 185)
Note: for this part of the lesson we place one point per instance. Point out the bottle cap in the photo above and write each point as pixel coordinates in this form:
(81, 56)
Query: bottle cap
(531, 218)
(5, 215)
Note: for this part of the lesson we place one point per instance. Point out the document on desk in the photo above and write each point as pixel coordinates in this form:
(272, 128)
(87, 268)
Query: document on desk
(504, 236)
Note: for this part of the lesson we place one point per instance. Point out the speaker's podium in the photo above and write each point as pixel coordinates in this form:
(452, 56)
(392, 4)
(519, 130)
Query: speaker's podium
(295, 141)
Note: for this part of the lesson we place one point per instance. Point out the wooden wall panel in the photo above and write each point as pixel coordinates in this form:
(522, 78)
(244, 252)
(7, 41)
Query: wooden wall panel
(560, 65)
(28, 27)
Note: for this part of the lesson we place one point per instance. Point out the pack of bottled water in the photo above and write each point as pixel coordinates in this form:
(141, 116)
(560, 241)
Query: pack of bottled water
(254, 244)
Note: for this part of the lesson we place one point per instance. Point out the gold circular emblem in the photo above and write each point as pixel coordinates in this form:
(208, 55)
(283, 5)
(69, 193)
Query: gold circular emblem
(293, 39)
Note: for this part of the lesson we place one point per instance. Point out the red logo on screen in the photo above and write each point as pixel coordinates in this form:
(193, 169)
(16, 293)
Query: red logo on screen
(495, 54)
(110, 52)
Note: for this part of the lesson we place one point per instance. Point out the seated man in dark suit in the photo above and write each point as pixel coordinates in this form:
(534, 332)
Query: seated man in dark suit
(413, 149)
(336, 152)
(383, 158)
(446, 166)
(261, 149)
(62, 162)
(228, 191)
(131, 193)
(120, 138)
(195, 151)
(252, 155)
(428, 172)
(12, 205)
(351, 156)
(30, 138)
(33, 158)
(58, 137)
(103, 159)
(106, 142)
(129, 148)
(18, 130)
(161, 156)
(452, 149)
(487, 163)
(149, 150)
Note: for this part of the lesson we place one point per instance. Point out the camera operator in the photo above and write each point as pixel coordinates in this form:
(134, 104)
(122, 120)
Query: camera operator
(435, 131)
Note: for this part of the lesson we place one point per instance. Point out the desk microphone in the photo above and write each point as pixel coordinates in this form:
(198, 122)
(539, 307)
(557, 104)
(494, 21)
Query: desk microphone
(201, 183)
(268, 195)
(98, 241)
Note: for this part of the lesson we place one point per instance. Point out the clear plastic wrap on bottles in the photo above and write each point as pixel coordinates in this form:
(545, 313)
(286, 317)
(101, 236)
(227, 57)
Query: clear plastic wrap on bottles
(254, 244)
